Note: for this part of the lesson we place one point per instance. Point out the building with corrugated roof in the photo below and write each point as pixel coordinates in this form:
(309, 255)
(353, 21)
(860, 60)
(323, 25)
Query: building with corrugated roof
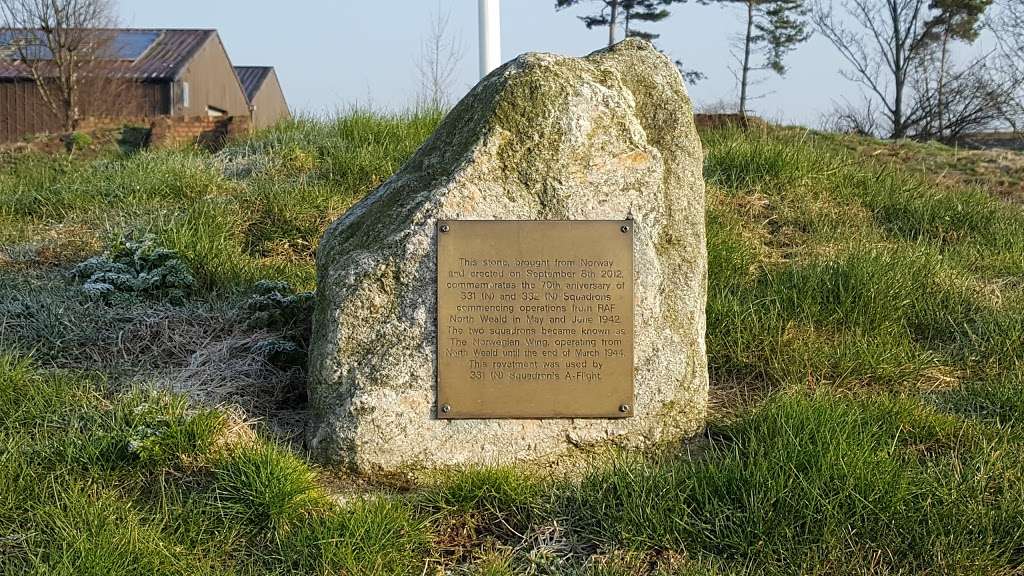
(141, 73)
(264, 93)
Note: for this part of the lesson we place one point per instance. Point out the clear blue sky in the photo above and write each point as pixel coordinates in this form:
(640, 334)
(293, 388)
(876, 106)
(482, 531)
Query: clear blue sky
(332, 55)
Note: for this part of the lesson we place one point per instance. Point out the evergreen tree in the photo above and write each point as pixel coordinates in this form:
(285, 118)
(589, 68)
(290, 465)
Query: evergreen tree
(954, 20)
(623, 13)
(775, 26)
(643, 11)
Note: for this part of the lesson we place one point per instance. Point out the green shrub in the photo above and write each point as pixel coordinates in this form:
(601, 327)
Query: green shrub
(77, 141)
(277, 308)
(138, 266)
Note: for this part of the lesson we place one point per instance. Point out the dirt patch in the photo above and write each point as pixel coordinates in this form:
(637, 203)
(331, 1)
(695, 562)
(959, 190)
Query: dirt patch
(713, 121)
(997, 171)
(993, 140)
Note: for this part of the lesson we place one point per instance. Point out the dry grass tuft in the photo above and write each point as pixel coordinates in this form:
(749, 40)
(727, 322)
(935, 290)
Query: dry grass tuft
(229, 371)
(239, 430)
(197, 348)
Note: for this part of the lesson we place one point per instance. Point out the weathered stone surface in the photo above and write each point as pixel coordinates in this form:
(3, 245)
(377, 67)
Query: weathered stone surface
(542, 137)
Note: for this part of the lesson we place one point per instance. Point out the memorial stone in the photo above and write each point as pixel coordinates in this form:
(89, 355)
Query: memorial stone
(531, 282)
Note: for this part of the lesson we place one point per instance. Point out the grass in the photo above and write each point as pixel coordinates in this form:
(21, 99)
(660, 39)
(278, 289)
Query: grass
(865, 337)
(254, 210)
(808, 482)
(139, 484)
(823, 271)
(1000, 171)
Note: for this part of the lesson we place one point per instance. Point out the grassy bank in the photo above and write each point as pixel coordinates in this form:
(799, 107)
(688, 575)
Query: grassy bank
(254, 210)
(865, 336)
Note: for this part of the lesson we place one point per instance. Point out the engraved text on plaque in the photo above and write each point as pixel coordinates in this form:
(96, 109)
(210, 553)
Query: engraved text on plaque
(535, 319)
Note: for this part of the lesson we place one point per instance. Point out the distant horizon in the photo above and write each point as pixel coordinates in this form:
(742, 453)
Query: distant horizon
(382, 77)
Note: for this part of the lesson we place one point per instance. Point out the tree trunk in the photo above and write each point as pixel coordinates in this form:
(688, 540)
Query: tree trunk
(940, 97)
(899, 73)
(71, 102)
(613, 21)
(898, 129)
(69, 120)
(746, 57)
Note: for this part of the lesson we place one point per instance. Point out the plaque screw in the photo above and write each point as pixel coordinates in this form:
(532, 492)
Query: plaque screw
(444, 228)
(623, 407)
(446, 408)
(624, 228)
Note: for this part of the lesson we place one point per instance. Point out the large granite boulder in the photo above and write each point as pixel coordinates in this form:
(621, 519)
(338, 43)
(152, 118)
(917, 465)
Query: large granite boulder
(608, 136)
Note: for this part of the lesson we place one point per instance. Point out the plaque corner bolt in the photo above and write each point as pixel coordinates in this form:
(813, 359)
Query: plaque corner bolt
(445, 228)
(624, 408)
(624, 228)
(445, 408)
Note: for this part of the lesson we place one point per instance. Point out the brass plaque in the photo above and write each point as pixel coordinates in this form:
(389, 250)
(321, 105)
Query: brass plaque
(534, 319)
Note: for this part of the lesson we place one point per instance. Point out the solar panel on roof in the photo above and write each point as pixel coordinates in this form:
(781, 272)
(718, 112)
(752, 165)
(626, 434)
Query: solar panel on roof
(124, 45)
(30, 43)
(130, 44)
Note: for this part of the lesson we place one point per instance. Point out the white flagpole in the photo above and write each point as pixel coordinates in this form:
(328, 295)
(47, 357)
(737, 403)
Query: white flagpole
(490, 36)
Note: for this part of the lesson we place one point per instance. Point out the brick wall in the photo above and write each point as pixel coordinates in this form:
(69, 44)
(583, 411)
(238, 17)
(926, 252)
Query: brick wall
(207, 132)
(169, 131)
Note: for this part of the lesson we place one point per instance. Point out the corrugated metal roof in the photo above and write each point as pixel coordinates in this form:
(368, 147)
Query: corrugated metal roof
(163, 59)
(252, 78)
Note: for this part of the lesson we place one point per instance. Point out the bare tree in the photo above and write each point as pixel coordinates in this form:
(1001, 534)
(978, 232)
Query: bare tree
(954, 20)
(440, 55)
(1006, 21)
(849, 118)
(883, 41)
(61, 44)
(979, 96)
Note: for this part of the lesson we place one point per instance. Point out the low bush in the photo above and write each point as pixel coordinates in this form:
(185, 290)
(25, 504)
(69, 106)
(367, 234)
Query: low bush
(138, 266)
(288, 315)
